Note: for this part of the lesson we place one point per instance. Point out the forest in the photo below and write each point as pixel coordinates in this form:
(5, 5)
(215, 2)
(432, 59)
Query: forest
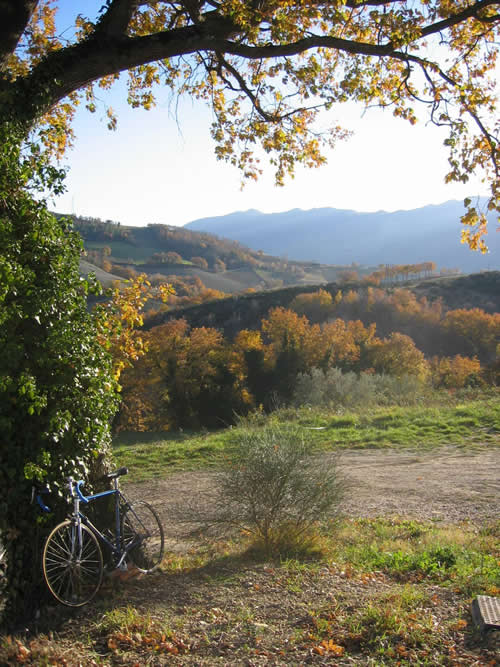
(385, 343)
(370, 336)
(161, 244)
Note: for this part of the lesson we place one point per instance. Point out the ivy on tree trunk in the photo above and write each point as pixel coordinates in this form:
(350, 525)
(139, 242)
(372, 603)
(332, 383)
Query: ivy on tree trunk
(57, 392)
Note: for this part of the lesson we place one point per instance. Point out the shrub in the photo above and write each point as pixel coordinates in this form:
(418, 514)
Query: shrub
(333, 387)
(404, 390)
(275, 488)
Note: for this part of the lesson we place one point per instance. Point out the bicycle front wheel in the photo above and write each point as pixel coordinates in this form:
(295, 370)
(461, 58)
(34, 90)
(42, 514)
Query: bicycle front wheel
(143, 536)
(72, 564)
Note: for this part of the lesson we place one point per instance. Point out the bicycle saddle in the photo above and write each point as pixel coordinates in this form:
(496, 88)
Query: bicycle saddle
(117, 473)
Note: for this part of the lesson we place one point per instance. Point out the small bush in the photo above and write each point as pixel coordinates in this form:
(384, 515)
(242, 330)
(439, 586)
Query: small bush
(333, 387)
(275, 489)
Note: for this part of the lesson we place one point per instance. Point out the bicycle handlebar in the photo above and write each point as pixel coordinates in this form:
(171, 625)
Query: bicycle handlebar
(78, 484)
(74, 487)
(36, 494)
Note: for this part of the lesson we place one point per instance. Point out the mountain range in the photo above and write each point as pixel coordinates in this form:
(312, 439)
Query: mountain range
(335, 236)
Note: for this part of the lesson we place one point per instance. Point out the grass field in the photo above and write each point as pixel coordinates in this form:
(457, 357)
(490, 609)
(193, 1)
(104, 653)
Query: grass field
(473, 423)
(123, 250)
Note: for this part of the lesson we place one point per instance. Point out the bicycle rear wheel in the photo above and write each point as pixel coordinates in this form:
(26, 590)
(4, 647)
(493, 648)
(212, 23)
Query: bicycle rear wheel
(143, 536)
(72, 567)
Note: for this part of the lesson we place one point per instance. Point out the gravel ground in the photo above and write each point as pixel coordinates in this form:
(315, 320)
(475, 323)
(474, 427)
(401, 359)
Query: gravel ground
(449, 485)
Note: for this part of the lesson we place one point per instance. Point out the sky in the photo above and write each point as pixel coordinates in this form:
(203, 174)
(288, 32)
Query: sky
(159, 166)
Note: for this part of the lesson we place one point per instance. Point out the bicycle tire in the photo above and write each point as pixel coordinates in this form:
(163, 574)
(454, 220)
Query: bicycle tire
(141, 526)
(73, 572)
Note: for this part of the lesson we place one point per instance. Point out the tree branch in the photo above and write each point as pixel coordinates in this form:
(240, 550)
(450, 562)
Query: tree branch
(14, 17)
(244, 88)
(306, 44)
(355, 4)
(455, 19)
(68, 69)
(193, 10)
(115, 20)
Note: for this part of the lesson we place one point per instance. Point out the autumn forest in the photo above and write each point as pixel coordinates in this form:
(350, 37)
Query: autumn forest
(194, 376)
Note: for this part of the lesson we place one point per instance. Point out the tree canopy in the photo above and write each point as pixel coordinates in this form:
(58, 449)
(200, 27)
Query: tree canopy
(267, 68)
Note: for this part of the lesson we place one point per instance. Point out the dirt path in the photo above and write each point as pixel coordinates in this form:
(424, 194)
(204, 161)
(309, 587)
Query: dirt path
(449, 485)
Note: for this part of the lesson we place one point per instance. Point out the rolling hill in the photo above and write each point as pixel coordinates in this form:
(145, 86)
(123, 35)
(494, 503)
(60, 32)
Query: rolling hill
(162, 250)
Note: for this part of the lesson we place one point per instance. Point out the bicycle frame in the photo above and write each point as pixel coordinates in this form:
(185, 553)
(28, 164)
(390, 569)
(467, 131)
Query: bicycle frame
(79, 517)
(72, 561)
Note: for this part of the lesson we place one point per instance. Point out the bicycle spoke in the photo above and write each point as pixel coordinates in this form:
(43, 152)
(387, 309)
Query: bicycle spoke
(88, 568)
(72, 564)
(60, 548)
(60, 577)
(87, 549)
(57, 568)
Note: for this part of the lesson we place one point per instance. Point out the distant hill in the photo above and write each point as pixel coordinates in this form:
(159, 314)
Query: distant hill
(221, 264)
(334, 236)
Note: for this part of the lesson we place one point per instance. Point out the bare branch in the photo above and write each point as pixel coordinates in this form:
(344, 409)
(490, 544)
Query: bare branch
(245, 89)
(194, 10)
(492, 141)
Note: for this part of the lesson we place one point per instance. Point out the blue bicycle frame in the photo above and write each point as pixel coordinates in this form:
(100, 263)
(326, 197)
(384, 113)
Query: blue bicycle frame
(116, 547)
(72, 559)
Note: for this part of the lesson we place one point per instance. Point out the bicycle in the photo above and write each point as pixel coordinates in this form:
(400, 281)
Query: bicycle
(72, 558)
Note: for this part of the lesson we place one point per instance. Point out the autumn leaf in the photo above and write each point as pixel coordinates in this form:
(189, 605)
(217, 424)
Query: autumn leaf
(328, 646)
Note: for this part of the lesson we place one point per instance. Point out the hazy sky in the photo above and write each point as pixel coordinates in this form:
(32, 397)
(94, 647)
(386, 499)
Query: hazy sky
(160, 167)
